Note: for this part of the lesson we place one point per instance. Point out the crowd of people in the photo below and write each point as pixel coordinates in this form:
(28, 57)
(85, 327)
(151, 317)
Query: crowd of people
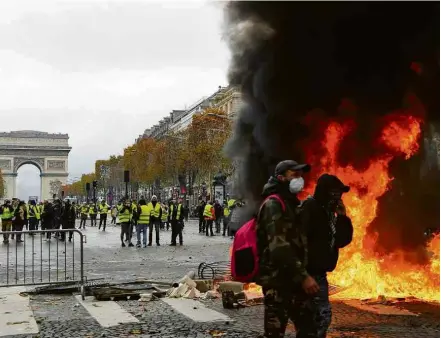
(220, 216)
(16, 215)
(141, 217)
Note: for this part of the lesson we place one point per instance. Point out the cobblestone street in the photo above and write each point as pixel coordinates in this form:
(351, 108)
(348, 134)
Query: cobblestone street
(69, 316)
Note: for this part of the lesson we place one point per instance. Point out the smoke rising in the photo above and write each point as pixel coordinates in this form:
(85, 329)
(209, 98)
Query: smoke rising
(301, 64)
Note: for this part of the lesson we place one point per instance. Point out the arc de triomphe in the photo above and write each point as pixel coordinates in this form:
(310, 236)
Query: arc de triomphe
(48, 152)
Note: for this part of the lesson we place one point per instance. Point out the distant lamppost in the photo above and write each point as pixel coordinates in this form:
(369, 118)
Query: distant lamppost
(88, 191)
(94, 186)
(204, 191)
(127, 180)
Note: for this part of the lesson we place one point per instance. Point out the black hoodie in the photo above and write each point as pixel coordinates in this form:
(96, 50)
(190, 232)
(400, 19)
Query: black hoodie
(315, 216)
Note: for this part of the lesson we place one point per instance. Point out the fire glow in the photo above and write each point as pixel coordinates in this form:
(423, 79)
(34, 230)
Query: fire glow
(365, 273)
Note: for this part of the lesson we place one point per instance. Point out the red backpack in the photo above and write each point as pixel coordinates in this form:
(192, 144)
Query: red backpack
(244, 255)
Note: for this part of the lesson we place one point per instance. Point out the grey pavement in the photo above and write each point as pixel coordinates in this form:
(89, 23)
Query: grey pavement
(67, 316)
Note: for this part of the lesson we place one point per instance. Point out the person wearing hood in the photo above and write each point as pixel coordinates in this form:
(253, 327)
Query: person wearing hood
(282, 248)
(328, 228)
(155, 219)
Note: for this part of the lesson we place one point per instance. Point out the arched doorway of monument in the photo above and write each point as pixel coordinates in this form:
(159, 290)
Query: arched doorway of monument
(28, 183)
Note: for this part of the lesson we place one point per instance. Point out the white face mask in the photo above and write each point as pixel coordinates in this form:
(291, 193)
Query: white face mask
(296, 185)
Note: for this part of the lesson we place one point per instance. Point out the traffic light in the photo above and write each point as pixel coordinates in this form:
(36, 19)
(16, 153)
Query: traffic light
(95, 184)
(87, 186)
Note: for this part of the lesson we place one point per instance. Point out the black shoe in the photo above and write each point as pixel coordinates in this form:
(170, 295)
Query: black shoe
(123, 245)
(70, 239)
(150, 244)
(173, 244)
(157, 244)
(181, 243)
(131, 244)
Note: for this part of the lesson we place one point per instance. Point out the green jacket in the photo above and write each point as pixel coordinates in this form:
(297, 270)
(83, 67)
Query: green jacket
(281, 243)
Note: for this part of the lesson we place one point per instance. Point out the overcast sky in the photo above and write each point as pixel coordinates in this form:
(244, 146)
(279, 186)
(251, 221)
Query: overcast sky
(103, 71)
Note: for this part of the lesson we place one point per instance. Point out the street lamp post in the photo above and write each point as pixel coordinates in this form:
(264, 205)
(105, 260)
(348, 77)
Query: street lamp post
(126, 180)
(87, 191)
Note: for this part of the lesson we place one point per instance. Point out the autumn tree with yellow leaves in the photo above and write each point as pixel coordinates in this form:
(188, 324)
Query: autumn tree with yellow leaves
(196, 151)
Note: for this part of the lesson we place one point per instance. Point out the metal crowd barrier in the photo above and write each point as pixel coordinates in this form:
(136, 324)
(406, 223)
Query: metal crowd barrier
(216, 270)
(36, 261)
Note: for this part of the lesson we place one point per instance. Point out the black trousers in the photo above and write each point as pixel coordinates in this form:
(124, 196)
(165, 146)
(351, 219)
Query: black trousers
(201, 224)
(225, 228)
(126, 230)
(46, 224)
(103, 221)
(113, 220)
(176, 231)
(19, 228)
(33, 223)
(83, 222)
(218, 224)
(209, 225)
(67, 225)
(92, 220)
(155, 223)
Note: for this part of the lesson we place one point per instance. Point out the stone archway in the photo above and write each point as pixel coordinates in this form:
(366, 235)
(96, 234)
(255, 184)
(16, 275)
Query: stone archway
(48, 152)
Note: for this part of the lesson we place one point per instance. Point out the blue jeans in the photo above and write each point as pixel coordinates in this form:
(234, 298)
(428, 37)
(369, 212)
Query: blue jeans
(143, 228)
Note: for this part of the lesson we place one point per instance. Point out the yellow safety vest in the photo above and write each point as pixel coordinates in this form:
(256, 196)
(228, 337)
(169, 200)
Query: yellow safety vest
(144, 217)
(231, 203)
(92, 211)
(178, 213)
(33, 212)
(7, 214)
(104, 209)
(155, 210)
(207, 211)
(226, 211)
(164, 215)
(84, 209)
(125, 216)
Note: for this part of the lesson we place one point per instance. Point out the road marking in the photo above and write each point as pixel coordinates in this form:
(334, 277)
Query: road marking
(106, 313)
(16, 316)
(195, 310)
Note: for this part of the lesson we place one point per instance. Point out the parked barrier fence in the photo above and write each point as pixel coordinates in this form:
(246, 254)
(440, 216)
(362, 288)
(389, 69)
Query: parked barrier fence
(39, 259)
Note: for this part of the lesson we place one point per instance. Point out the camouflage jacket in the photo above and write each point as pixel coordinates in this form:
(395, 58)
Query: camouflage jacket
(281, 243)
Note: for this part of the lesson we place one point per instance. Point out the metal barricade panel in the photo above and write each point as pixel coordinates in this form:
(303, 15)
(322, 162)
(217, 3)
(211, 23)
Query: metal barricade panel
(36, 261)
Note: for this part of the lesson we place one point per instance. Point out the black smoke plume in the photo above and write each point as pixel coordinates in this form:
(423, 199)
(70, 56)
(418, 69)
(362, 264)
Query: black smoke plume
(299, 64)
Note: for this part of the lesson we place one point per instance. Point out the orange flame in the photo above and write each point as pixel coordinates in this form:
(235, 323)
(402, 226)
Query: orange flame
(364, 272)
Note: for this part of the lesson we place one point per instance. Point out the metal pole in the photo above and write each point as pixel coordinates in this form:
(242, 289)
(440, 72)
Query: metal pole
(127, 190)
